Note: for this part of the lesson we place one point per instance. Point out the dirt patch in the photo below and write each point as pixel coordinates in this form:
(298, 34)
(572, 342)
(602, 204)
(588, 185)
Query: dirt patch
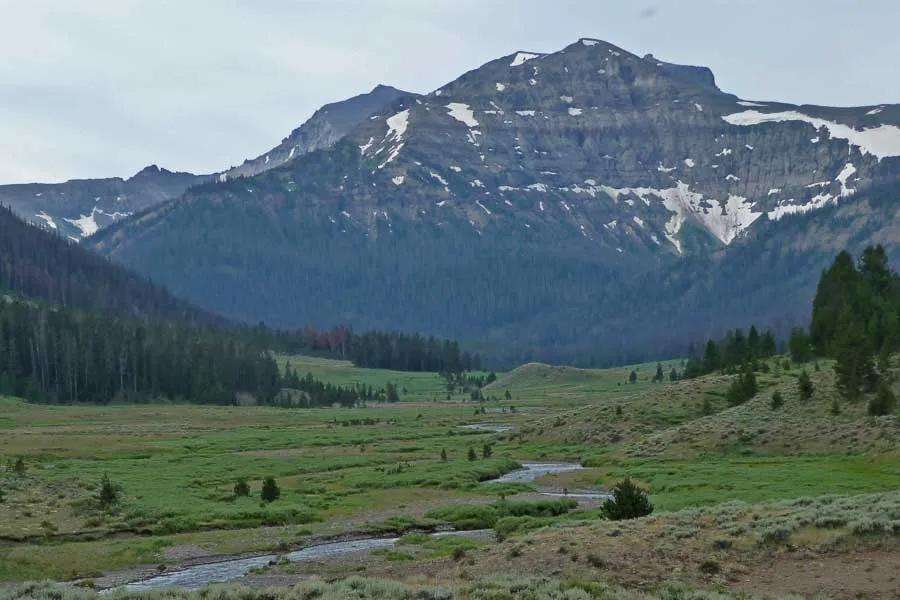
(872, 574)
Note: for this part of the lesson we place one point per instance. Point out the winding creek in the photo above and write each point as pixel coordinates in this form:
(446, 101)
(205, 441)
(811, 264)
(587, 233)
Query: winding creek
(200, 575)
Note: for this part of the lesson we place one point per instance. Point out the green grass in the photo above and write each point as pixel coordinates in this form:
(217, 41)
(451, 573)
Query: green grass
(422, 387)
(714, 479)
(378, 469)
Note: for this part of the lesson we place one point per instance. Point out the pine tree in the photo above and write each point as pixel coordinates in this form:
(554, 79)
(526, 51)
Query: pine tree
(270, 490)
(777, 400)
(659, 373)
(805, 386)
(486, 451)
(712, 360)
(472, 455)
(443, 455)
(854, 364)
(19, 468)
(883, 402)
(800, 346)
(108, 494)
(628, 502)
(673, 375)
(632, 378)
(241, 488)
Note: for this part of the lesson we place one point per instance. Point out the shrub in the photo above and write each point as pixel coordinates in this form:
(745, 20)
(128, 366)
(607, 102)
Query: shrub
(270, 490)
(628, 502)
(743, 387)
(19, 468)
(709, 567)
(805, 386)
(241, 488)
(777, 400)
(108, 494)
(472, 454)
(883, 402)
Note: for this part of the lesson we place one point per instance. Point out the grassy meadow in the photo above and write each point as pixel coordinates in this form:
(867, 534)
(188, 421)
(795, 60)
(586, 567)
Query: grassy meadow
(379, 469)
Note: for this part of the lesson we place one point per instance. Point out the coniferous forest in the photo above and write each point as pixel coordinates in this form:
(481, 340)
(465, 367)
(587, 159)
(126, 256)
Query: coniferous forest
(855, 321)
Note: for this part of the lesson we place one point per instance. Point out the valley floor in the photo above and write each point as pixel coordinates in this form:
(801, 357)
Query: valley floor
(800, 499)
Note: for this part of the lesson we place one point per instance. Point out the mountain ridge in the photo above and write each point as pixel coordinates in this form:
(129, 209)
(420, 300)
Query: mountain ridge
(533, 175)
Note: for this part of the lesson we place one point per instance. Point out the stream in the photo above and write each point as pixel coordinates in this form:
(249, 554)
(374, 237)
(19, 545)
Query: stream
(201, 575)
(531, 471)
(198, 576)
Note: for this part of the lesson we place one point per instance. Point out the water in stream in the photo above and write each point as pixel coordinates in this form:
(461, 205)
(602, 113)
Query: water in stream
(532, 471)
(198, 576)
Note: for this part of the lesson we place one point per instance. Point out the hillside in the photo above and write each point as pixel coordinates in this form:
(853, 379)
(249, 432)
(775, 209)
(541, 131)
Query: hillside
(38, 264)
(586, 205)
(322, 130)
(78, 208)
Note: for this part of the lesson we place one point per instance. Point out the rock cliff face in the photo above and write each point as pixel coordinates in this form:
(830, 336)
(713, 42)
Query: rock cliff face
(81, 207)
(329, 124)
(555, 206)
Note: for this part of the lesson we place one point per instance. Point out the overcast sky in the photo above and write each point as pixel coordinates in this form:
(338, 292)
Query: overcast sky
(99, 88)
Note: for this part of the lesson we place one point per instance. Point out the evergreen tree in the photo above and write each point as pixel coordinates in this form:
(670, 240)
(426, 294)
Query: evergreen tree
(628, 502)
(472, 455)
(883, 402)
(659, 373)
(391, 394)
(241, 488)
(443, 455)
(109, 493)
(632, 378)
(800, 346)
(712, 360)
(486, 451)
(777, 400)
(805, 386)
(270, 490)
(19, 468)
(854, 364)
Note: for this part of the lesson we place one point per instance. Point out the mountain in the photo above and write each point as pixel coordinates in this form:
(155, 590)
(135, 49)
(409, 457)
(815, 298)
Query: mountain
(80, 207)
(588, 205)
(39, 265)
(327, 125)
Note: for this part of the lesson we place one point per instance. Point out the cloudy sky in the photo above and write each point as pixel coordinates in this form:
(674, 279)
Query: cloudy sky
(98, 88)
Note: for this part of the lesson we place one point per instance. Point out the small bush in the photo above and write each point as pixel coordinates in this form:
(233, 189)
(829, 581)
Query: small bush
(109, 493)
(710, 567)
(270, 490)
(777, 400)
(805, 386)
(883, 402)
(628, 502)
(241, 488)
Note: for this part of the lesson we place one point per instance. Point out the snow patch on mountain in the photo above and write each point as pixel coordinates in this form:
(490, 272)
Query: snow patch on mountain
(522, 57)
(842, 177)
(397, 125)
(87, 224)
(725, 221)
(881, 141)
(47, 218)
(788, 208)
(462, 113)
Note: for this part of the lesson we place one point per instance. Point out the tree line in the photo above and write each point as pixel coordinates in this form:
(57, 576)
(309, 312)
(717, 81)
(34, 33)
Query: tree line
(57, 354)
(731, 352)
(855, 321)
(374, 349)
